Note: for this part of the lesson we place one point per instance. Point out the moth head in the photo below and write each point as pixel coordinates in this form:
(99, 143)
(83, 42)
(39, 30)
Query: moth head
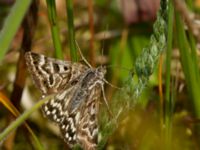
(101, 71)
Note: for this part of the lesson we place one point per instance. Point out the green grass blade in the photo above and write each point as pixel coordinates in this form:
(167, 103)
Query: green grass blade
(71, 33)
(189, 65)
(8, 105)
(51, 7)
(194, 54)
(11, 24)
(168, 99)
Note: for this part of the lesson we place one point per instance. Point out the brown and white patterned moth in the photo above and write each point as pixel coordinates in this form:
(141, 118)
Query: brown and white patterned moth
(77, 89)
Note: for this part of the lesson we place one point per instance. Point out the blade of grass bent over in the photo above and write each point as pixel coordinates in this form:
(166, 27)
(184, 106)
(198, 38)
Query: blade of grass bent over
(22, 118)
(6, 102)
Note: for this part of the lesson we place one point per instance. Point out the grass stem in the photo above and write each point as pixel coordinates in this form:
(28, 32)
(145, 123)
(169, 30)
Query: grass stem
(51, 6)
(168, 100)
(71, 33)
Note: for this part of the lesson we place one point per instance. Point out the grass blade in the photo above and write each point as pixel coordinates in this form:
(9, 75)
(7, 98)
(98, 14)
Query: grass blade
(51, 6)
(22, 118)
(71, 33)
(168, 99)
(12, 24)
(6, 102)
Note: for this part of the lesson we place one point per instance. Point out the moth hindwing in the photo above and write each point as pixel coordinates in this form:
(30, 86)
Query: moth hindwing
(77, 90)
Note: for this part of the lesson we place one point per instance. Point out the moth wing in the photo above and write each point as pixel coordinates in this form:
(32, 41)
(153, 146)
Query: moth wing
(56, 108)
(81, 126)
(87, 135)
(51, 75)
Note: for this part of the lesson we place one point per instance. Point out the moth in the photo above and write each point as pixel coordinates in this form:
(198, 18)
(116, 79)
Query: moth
(77, 88)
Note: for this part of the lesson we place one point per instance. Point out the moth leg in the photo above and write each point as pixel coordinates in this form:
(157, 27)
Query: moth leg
(119, 88)
(106, 102)
(111, 116)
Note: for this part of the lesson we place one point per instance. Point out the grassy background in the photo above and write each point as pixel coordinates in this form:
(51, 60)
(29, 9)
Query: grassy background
(150, 55)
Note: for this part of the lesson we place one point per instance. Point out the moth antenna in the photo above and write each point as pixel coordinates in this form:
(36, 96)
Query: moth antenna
(84, 59)
(103, 44)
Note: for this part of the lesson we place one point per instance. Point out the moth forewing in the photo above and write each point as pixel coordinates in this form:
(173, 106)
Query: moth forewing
(51, 75)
